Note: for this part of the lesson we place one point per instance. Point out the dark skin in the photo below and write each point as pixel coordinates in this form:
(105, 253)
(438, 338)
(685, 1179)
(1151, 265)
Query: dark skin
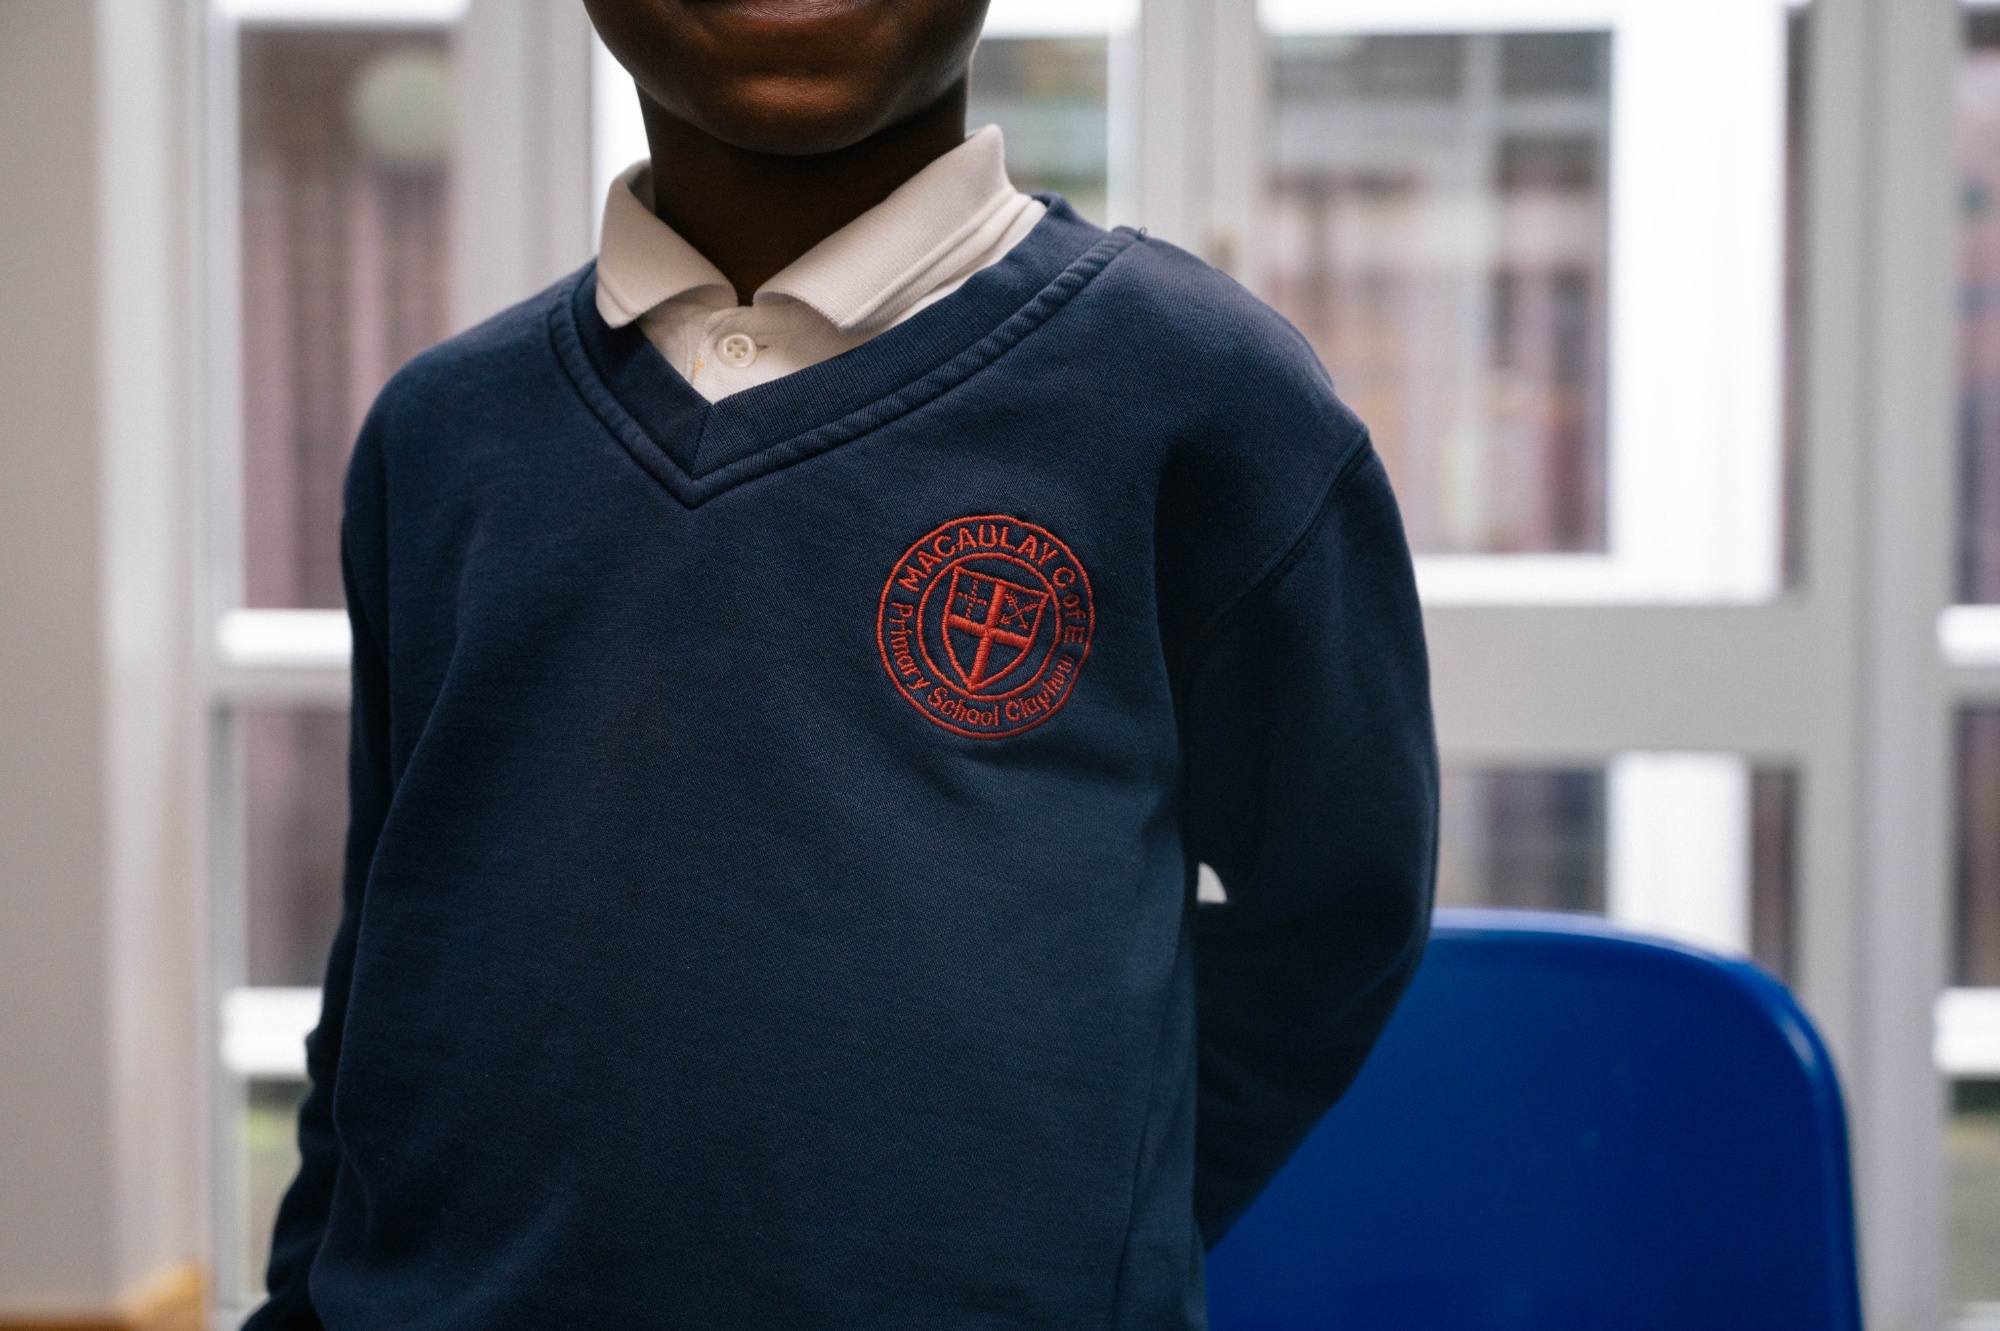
(774, 123)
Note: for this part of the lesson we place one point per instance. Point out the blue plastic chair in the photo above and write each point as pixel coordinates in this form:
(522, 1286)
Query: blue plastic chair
(1566, 1127)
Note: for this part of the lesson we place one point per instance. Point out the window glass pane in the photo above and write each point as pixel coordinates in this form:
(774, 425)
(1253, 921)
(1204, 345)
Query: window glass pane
(1973, 1148)
(267, 1136)
(1047, 95)
(1704, 835)
(1774, 867)
(1438, 227)
(291, 796)
(1978, 149)
(1798, 74)
(1525, 839)
(295, 826)
(1973, 1140)
(346, 135)
(1978, 931)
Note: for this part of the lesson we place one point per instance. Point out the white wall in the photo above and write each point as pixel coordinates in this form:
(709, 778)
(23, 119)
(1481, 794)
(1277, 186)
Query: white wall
(54, 1169)
(99, 1080)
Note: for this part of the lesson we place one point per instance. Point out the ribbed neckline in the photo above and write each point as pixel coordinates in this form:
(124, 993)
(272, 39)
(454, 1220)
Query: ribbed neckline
(697, 449)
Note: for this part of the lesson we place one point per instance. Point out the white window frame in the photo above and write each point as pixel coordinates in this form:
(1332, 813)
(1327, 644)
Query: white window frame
(521, 218)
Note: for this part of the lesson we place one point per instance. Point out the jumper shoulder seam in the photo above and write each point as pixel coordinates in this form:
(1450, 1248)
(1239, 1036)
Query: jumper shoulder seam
(1275, 569)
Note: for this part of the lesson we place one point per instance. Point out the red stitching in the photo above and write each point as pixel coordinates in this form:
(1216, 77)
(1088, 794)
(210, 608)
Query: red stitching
(923, 618)
(1000, 590)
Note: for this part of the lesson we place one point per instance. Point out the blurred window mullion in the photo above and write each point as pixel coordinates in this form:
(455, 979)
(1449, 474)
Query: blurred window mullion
(1968, 1013)
(343, 147)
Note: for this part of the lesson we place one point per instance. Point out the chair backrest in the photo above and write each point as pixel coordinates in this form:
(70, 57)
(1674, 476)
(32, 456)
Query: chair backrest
(1566, 1127)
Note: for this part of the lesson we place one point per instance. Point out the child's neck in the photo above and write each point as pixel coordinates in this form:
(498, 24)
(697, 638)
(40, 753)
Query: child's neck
(751, 214)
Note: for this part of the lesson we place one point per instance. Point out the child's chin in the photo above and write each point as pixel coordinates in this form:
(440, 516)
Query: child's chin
(793, 120)
(789, 11)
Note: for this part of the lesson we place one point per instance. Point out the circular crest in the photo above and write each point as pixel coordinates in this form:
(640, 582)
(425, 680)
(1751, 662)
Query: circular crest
(985, 624)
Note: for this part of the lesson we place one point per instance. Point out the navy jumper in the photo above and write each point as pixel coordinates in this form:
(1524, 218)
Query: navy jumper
(770, 896)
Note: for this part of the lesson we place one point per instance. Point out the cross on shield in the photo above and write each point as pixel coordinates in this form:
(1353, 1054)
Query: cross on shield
(994, 618)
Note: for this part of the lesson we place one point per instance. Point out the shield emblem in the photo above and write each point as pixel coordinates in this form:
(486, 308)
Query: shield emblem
(989, 626)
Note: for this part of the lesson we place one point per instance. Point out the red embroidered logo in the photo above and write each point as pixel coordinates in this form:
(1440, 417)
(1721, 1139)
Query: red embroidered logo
(984, 624)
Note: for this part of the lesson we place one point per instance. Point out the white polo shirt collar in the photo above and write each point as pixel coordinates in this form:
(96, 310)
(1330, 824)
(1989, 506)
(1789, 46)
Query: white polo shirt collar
(935, 228)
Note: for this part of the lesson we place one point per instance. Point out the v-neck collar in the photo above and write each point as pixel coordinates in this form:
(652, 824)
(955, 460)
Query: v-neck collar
(697, 449)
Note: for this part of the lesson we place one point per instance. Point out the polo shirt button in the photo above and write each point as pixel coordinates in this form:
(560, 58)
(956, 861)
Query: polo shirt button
(738, 349)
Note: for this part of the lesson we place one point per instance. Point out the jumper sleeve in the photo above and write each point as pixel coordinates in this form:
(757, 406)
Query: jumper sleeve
(303, 1215)
(1311, 789)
